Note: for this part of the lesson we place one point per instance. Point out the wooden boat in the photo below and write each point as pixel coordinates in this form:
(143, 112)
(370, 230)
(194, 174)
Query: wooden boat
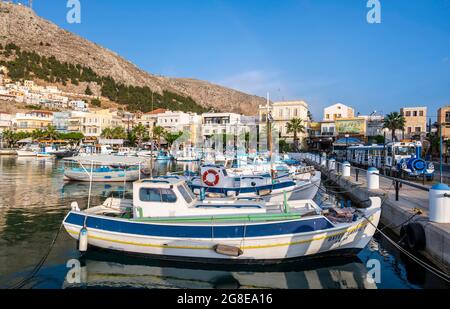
(216, 179)
(165, 220)
(103, 168)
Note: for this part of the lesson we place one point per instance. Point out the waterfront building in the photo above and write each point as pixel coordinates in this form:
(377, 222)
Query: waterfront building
(33, 120)
(174, 121)
(61, 121)
(338, 111)
(91, 124)
(375, 127)
(5, 121)
(282, 113)
(416, 121)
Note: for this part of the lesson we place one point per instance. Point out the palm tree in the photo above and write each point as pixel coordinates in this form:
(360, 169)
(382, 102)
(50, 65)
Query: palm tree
(51, 133)
(158, 132)
(10, 137)
(394, 121)
(295, 126)
(107, 133)
(141, 133)
(37, 134)
(118, 133)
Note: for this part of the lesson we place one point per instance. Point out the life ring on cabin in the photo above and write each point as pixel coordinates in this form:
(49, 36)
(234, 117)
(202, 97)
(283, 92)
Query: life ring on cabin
(207, 180)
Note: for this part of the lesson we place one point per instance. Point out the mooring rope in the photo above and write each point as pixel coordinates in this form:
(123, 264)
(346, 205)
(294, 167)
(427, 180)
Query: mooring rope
(424, 264)
(39, 265)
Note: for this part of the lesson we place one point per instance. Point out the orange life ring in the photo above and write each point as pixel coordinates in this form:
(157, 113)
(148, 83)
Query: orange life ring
(211, 183)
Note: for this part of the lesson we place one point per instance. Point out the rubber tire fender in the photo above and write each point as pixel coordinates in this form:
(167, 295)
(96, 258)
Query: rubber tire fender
(415, 236)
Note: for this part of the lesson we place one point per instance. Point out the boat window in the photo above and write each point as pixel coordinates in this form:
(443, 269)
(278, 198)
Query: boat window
(150, 195)
(185, 194)
(224, 171)
(168, 196)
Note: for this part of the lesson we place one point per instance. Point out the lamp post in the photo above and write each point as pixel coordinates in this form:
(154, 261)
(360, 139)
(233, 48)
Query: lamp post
(346, 148)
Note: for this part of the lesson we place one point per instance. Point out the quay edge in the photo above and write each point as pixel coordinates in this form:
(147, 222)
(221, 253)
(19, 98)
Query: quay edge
(395, 213)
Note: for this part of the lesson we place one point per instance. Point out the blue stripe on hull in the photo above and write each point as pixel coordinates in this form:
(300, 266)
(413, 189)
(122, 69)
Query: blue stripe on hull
(178, 231)
(244, 190)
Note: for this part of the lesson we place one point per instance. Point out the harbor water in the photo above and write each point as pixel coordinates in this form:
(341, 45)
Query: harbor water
(34, 200)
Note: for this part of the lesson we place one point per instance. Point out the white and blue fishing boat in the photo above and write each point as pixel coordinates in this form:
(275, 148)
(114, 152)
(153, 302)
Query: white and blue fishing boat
(216, 180)
(165, 220)
(163, 155)
(103, 168)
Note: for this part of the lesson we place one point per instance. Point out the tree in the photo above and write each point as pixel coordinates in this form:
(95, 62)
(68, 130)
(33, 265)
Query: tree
(96, 102)
(9, 137)
(107, 133)
(295, 126)
(119, 133)
(394, 121)
(37, 134)
(88, 91)
(141, 133)
(172, 137)
(158, 133)
(51, 133)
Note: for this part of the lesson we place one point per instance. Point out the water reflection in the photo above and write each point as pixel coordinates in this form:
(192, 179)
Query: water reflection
(107, 270)
(34, 200)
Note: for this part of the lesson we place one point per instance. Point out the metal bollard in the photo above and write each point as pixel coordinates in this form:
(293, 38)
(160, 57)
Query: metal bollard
(346, 169)
(332, 164)
(373, 179)
(439, 203)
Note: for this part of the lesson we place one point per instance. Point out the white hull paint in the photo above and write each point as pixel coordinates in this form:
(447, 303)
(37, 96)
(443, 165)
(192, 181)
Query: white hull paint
(353, 236)
(121, 176)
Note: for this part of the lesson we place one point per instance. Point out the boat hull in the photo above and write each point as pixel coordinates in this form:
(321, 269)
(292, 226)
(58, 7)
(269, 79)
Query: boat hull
(265, 243)
(116, 176)
(24, 153)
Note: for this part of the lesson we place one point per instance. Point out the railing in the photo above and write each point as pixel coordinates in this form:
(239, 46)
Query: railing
(356, 173)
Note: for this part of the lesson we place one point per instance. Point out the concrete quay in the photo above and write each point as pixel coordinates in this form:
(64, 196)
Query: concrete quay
(394, 213)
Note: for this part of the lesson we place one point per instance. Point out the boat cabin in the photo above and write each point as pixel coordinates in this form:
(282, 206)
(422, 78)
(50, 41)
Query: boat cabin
(171, 197)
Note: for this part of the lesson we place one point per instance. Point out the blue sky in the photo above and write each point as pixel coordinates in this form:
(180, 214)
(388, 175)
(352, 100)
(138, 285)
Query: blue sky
(322, 51)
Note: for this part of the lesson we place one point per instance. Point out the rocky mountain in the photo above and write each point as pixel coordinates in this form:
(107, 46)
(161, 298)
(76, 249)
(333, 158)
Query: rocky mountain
(21, 26)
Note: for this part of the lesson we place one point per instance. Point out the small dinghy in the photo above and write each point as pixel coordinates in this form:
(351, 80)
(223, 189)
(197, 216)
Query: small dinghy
(103, 168)
(217, 181)
(165, 220)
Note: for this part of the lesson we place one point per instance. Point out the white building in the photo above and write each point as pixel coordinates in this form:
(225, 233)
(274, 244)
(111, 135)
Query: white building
(174, 121)
(338, 111)
(78, 105)
(5, 121)
(282, 113)
(221, 123)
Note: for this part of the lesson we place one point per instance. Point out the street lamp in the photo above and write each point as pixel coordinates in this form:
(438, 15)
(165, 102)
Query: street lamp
(346, 148)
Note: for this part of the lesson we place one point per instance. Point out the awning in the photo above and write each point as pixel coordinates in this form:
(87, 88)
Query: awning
(25, 141)
(348, 141)
(108, 160)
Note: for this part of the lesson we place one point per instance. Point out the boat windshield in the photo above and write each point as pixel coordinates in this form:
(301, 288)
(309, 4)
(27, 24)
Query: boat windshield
(405, 151)
(186, 193)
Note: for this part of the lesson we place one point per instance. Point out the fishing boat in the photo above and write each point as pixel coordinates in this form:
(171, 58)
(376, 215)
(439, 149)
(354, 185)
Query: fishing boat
(28, 151)
(103, 168)
(165, 220)
(187, 155)
(163, 156)
(216, 180)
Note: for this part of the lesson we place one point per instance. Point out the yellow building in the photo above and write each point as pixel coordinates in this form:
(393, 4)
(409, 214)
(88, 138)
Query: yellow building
(416, 120)
(30, 121)
(444, 121)
(282, 113)
(91, 124)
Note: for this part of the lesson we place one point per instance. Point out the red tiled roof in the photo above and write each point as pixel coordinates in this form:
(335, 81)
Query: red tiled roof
(157, 111)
